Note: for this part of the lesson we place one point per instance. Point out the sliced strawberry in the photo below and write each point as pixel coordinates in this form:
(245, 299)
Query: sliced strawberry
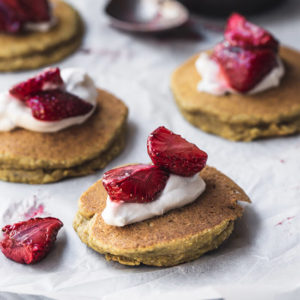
(56, 105)
(45, 96)
(240, 32)
(135, 183)
(244, 69)
(12, 16)
(15, 13)
(48, 80)
(174, 154)
(36, 10)
(30, 241)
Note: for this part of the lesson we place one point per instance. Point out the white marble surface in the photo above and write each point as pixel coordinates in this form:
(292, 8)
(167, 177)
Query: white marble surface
(260, 261)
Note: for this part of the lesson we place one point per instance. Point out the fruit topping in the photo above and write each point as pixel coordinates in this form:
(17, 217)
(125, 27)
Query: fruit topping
(240, 32)
(36, 10)
(135, 183)
(174, 154)
(46, 97)
(30, 241)
(15, 13)
(48, 80)
(56, 105)
(243, 69)
(246, 56)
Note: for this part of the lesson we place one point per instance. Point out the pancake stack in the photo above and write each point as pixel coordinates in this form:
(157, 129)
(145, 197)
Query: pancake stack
(35, 49)
(176, 237)
(242, 117)
(33, 157)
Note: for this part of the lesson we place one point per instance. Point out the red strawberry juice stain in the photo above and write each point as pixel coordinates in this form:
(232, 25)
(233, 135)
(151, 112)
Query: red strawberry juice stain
(34, 211)
(284, 220)
(282, 161)
(24, 209)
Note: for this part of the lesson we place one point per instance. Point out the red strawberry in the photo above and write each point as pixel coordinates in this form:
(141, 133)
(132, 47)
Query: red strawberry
(57, 105)
(30, 241)
(15, 13)
(12, 16)
(174, 154)
(240, 32)
(135, 183)
(36, 10)
(48, 80)
(243, 69)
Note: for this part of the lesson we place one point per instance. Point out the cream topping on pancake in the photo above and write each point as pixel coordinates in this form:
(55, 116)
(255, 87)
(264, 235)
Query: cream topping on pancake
(179, 191)
(14, 113)
(210, 83)
(40, 26)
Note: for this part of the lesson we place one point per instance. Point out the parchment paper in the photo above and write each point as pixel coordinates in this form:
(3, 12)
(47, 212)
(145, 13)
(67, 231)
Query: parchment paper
(261, 260)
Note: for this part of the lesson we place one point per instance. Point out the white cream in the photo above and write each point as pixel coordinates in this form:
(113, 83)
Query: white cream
(40, 26)
(179, 191)
(211, 83)
(14, 113)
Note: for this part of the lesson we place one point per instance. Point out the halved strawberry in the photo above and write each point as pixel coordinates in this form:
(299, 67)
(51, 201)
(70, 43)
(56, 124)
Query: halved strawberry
(243, 69)
(56, 105)
(174, 154)
(30, 241)
(12, 16)
(15, 13)
(240, 32)
(135, 183)
(36, 10)
(47, 80)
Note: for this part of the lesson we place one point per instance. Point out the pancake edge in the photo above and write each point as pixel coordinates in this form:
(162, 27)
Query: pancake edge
(42, 176)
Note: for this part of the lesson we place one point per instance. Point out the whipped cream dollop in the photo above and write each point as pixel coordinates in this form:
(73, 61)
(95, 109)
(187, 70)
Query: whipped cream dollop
(179, 191)
(41, 26)
(210, 82)
(14, 113)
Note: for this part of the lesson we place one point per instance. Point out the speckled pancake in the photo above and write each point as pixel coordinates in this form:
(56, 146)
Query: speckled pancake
(33, 157)
(274, 112)
(179, 236)
(35, 49)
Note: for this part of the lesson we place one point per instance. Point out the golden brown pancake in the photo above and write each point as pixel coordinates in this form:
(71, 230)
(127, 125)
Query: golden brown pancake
(242, 117)
(178, 236)
(33, 157)
(35, 49)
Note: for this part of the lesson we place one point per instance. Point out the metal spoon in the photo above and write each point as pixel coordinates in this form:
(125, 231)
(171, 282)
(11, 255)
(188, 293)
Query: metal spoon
(146, 15)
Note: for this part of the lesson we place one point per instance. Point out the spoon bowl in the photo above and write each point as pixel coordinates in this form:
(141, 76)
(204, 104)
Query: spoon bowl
(146, 15)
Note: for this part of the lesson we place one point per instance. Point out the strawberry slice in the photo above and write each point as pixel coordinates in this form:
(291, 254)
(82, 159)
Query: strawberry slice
(174, 154)
(240, 32)
(45, 96)
(15, 13)
(56, 105)
(135, 183)
(243, 69)
(12, 16)
(30, 241)
(36, 10)
(48, 80)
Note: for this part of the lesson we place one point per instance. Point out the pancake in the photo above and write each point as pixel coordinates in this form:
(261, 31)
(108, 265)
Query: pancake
(178, 236)
(33, 157)
(274, 112)
(35, 49)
